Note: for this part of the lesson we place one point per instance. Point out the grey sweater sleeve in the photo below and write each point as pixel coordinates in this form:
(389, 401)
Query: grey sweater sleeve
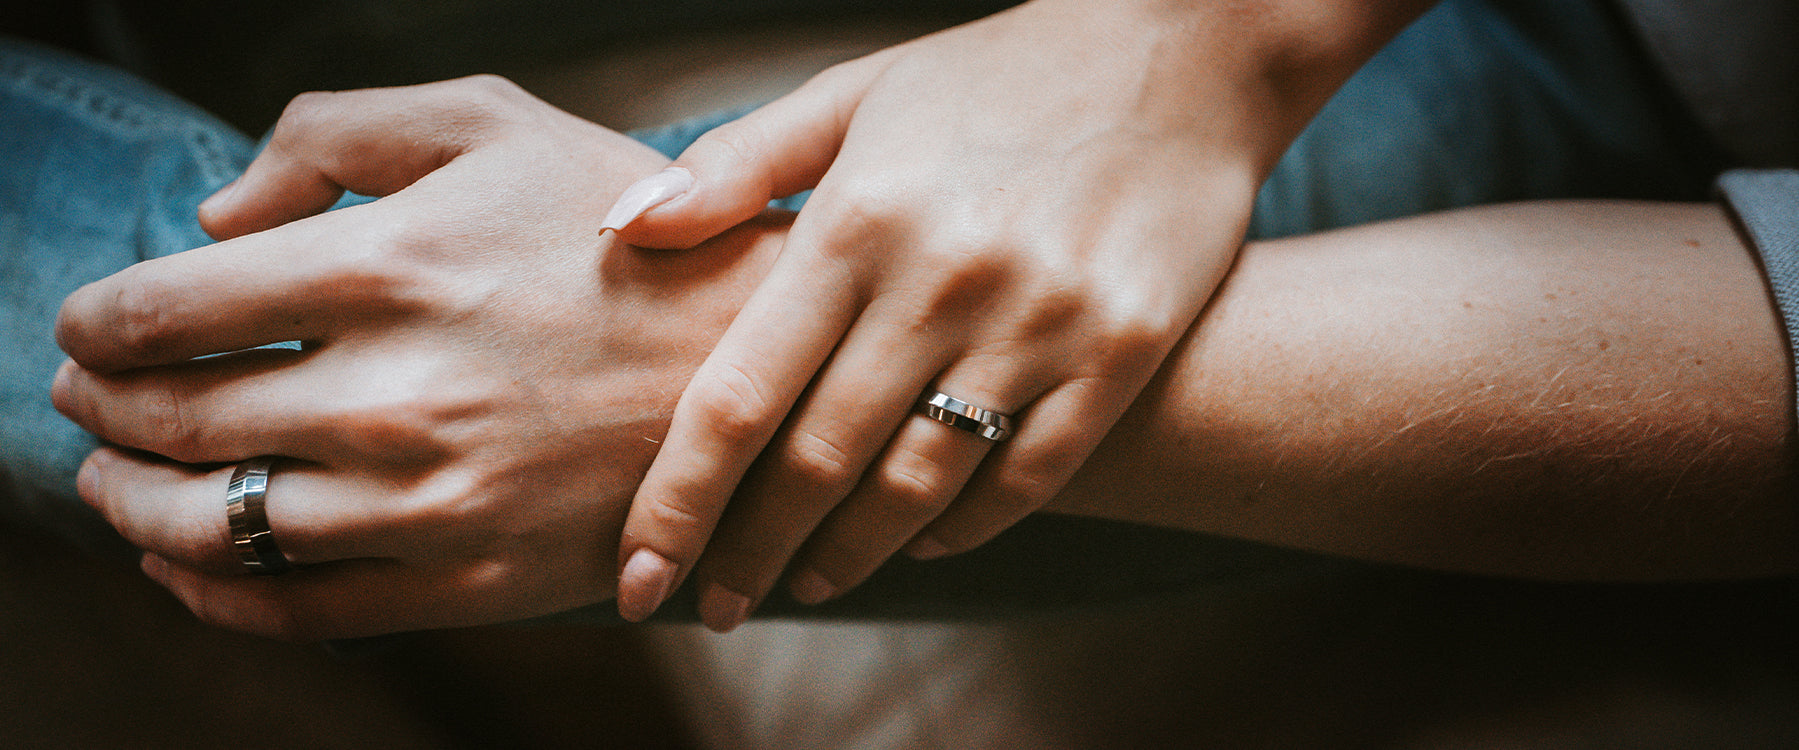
(1766, 204)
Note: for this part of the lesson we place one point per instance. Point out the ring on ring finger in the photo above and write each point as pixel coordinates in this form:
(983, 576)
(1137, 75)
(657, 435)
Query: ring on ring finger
(251, 536)
(965, 416)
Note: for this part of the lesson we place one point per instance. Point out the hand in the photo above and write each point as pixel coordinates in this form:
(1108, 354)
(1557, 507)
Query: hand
(483, 382)
(1024, 213)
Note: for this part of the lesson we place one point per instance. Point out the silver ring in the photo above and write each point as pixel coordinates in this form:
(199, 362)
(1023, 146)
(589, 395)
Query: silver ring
(962, 415)
(250, 533)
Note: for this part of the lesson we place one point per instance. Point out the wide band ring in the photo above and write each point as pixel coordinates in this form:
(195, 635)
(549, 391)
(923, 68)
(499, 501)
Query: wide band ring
(962, 415)
(251, 537)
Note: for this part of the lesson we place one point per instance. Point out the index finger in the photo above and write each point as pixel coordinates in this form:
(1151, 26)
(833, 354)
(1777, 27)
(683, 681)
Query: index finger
(265, 288)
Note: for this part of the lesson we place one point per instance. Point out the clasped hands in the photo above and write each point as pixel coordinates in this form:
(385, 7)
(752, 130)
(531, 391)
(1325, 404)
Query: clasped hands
(484, 380)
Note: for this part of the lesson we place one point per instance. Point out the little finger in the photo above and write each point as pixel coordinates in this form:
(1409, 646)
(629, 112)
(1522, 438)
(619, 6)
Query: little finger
(909, 486)
(842, 423)
(351, 599)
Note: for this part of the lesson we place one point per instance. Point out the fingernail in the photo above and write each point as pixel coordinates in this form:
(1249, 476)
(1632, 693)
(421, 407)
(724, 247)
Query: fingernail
(644, 584)
(808, 587)
(220, 199)
(645, 194)
(925, 547)
(723, 609)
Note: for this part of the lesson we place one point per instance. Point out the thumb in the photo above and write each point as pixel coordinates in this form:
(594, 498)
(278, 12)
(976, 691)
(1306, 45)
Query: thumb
(731, 173)
(372, 141)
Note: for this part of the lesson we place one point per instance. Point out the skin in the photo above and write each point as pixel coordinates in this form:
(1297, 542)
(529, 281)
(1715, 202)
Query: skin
(1009, 227)
(1573, 391)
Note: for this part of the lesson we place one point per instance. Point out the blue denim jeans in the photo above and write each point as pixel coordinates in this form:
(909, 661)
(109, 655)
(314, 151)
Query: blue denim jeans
(1475, 103)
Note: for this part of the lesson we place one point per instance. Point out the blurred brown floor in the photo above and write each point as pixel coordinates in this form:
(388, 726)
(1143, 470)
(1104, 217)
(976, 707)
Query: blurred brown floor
(93, 655)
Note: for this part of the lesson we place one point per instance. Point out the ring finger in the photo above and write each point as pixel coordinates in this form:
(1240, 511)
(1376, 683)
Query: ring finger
(921, 464)
(916, 478)
(838, 426)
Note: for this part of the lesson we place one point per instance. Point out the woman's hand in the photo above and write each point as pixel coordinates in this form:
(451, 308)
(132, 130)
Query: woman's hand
(483, 381)
(1023, 213)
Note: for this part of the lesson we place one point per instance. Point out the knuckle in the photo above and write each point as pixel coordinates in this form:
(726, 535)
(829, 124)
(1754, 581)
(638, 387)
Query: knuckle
(1133, 338)
(496, 87)
(414, 427)
(1055, 309)
(911, 486)
(816, 460)
(972, 263)
(304, 117)
(456, 511)
(168, 427)
(866, 220)
(480, 100)
(143, 320)
(729, 401)
(405, 271)
(678, 514)
(730, 147)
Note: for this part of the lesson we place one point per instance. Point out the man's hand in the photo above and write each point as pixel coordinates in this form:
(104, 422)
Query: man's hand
(483, 380)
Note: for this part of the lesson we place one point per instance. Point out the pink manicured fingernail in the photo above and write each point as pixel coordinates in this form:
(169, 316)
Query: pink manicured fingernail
(723, 609)
(644, 584)
(925, 547)
(645, 194)
(808, 587)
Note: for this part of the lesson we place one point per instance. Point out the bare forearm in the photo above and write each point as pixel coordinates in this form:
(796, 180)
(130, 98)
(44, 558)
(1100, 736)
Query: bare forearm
(1561, 390)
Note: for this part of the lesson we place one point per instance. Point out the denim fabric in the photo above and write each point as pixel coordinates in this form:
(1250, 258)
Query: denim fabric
(100, 171)
(1477, 102)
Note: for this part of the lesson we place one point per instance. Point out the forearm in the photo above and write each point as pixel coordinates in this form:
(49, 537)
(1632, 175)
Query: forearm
(1561, 390)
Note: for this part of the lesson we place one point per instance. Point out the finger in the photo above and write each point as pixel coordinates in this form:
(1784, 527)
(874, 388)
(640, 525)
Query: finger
(1052, 440)
(727, 413)
(360, 598)
(851, 411)
(247, 292)
(915, 479)
(371, 141)
(732, 172)
(216, 409)
(177, 511)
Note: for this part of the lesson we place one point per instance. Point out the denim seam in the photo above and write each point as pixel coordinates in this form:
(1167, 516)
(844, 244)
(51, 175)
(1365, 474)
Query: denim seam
(105, 109)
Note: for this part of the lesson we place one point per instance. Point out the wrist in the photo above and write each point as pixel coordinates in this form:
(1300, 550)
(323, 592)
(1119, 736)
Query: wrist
(1267, 66)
